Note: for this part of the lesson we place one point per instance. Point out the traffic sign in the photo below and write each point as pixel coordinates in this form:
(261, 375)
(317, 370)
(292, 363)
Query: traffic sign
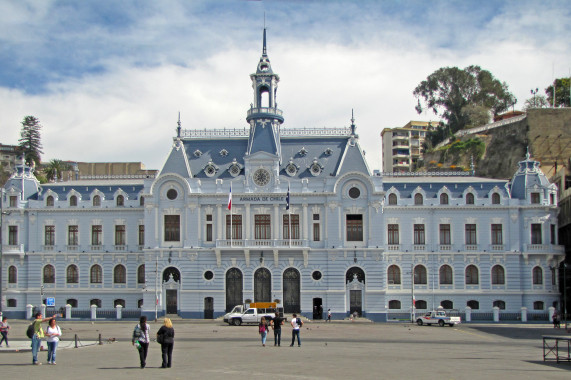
(50, 301)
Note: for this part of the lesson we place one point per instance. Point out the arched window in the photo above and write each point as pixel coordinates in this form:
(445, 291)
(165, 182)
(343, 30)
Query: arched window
(119, 302)
(12, 275)
(443, 199)
(393, 275)
(498, 275)
(469, 199)
(420, 304)
(394, 304)
(474, 305)
(538, 305)
(495, 199)
(73, 200)
(141, 200)
(355, 271)
(445, 275)
(71, 302)
(96, 274)
(49, 274)
(418, 199)
(472, 275)
(120, 274)
(392, 199)
(447, 304)
(50, 201)
(141, 274)
(12, 302)
(420, 274)
(120, 200)
(499, 304)
(537, 276)
(96, 201)
(96, 302)
(72, 275)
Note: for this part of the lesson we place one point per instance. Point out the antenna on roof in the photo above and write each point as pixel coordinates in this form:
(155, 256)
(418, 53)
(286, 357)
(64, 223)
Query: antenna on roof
(264, 48)
(178, 127)
(352, 122)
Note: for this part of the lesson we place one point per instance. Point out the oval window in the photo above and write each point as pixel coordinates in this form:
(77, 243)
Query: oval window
(354, 192)
(172, 194)
(208, 275)
(316, 275)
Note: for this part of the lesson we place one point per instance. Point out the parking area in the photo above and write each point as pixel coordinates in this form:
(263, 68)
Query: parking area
(338, 350)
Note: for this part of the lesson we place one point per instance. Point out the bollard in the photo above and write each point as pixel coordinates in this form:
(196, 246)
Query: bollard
(100, 342)
(75, 340)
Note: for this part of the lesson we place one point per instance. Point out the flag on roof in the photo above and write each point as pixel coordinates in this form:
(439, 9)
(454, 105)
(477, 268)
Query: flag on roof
(230, 198)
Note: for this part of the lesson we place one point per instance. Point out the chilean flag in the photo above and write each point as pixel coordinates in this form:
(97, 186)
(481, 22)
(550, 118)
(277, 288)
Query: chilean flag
(230, 198)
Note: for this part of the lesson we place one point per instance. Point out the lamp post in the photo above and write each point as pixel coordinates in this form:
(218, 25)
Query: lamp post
(2, 295)
(534, 93)
(565, 293)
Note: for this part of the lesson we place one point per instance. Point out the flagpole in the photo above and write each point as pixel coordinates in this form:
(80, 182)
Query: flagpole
(230, 208)
(289, 212)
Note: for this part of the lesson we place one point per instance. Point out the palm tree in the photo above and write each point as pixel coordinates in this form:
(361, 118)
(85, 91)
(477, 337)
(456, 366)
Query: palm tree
(56, 168)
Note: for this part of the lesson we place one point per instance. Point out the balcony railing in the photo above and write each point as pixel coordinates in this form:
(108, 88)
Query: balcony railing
(445, 247)
(471, 247)
(10, 248)
(393, 247)
(497, 247)
(247, 243)
(270, 110)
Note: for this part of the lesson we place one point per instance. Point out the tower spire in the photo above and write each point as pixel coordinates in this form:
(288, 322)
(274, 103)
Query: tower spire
(264, 51)
(178, 126)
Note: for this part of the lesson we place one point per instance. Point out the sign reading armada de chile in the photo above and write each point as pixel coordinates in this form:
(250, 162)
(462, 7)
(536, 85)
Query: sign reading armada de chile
(258, 199)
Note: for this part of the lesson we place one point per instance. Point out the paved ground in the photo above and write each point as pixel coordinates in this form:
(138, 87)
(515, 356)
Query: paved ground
(339, 350)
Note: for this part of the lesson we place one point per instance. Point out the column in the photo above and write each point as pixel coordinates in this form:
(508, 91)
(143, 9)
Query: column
(247, 223)
(306, 222)
(276, 224)
(219, 222)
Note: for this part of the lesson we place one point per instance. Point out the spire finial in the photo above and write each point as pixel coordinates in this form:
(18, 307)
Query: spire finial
(352, 122)
(264, 51)
(178, 126)
(527, 155)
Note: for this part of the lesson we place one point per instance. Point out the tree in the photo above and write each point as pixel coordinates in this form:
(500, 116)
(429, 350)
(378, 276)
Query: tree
(561, 93)
(449, 90)
(538, 101)
(56, 167)
(30, 141)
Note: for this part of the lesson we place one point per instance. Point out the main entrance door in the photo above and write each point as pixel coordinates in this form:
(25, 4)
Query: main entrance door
(209, 308)
(355, 302)
(291, 291)
(233, 288)
(262, 285)
(172, 307)
(317, 308)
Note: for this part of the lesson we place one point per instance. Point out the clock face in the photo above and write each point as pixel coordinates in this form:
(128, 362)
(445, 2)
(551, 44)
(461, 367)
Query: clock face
(261, 177)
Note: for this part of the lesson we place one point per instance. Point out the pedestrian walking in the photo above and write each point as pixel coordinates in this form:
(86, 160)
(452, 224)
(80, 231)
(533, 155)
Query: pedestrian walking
(38, 336)
(53, 333)
(329, 315)
(556, 321)
(296, 324)
(4, 327)
(263, 330)
(277, 324)
(165, 336)
(141, 339)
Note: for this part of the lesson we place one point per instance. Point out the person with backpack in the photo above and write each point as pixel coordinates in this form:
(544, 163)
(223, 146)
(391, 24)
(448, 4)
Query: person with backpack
(277, 323)
(141, 339)
(37, 334)
(296, 324)
(263, 330)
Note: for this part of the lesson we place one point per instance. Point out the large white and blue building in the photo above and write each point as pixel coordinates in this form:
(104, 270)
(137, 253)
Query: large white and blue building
(351, 240)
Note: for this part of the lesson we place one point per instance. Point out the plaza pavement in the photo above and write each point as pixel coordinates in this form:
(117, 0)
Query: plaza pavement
(337, 350)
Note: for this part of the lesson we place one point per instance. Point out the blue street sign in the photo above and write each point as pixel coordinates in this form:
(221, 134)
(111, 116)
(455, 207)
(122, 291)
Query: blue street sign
(50, 301)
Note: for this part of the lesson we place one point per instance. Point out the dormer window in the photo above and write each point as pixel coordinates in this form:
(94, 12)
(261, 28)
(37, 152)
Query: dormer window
(302, 152)
(469, 199)
(443, 199)
(328, 151)
(210, 169)
(392, 199)
(96, 201)
(50, 201)
(535, 198)
(418, 199)
(73, 201)
(495, 199)
(315, 168)
(197, 153)
(120, 200)
(291, 168)
(223, 152)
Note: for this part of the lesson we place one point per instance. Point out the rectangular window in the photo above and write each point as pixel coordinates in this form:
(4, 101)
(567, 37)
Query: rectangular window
(445, 234)
(13, 201)
(72, 235)
(209, 232)
(236, 227)
(497, 234)
(553, 234)
(315, 217)
(419, 234)
(393, 234)
(471, 234)
(96, 233)
(536, 233)
(316, 232)
(535, 198)
(262, 227)
(172, 227)
(50, 235)
(120, 234)
(354, 227)
(141, 234)
(12, 235)
(294, 224)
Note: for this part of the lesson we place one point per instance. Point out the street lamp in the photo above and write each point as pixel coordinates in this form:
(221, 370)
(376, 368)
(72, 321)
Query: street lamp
(2, 213)
(533, 93)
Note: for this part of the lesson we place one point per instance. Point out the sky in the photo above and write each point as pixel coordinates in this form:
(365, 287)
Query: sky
(108, 78)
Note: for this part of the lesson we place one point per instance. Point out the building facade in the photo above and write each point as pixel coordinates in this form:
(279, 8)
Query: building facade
(402, 147)
(272, 213)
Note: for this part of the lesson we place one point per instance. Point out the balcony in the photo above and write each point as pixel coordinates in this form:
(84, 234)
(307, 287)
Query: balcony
(497, 248)
(552, 248)
(471, 247)
(96, 247)
(72, 248)
(419, 247)
(258, 243)
(401, 164)
(403, 144)
(393, 247)
(445, 247)
(264, 112)
(48, 248)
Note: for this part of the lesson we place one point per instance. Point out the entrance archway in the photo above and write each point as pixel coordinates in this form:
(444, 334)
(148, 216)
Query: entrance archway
(262, 285)
(234, 287)
(171, 283)
(292, 291)
(355, 280)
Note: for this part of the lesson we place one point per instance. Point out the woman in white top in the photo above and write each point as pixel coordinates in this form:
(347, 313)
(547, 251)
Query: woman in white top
(141, 338)
(53, 332)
